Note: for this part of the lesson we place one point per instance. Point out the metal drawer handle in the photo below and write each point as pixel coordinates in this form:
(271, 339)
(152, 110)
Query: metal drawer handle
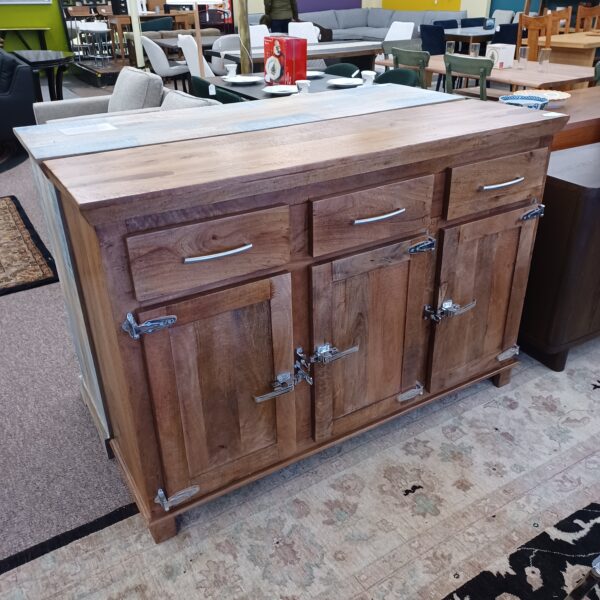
(499, 186)
(379, 217)
(197, 259)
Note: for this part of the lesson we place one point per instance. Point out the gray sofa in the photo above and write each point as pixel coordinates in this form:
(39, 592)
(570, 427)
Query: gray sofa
(372, 24)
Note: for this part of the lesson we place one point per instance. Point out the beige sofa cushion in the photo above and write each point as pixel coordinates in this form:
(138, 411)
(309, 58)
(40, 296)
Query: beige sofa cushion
(176, 99)
(135, 89)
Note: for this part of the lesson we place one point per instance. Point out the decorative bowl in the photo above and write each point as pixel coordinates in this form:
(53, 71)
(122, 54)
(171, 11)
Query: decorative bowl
(532, 102)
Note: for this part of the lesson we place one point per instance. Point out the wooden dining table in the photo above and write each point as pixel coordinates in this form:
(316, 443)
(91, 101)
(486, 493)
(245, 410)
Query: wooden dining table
(555, 76)
(362, 54)
(469, 35)
(583, 108)
(574, 48)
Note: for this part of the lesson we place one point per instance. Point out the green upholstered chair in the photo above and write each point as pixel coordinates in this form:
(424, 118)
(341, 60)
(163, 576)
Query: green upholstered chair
(416, 59)
(201, 89)
(477, 68)
(400, 77)
(343, 70)
(161, 24)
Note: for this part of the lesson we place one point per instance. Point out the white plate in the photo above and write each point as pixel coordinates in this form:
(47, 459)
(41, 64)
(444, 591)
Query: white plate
(243, 79)
(280, 90)
(314, 74)
(346, 82)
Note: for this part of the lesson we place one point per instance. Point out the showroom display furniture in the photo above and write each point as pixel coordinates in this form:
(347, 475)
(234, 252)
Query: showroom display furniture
(386, 271)
(17, 95)
(561, 306)
(372, 24)
(47, 61)
(134, 90)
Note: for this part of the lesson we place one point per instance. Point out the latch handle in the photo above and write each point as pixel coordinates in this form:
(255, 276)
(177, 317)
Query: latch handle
(284, 384)
(136, 330)
(451, 310)
(326, 353)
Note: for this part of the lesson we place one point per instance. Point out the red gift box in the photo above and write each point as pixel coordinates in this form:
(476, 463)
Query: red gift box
(285, 60)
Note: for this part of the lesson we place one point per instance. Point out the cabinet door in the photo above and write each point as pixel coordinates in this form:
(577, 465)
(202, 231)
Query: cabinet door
(374, 301)
(204, 373)
(485, 262)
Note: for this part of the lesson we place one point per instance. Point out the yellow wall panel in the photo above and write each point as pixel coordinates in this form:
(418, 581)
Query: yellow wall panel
(422, 4)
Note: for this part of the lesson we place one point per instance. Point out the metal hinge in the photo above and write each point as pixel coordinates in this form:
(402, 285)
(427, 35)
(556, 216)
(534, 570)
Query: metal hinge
(448, 309)
(535, 213)
(508, 353)
(427, 245)
(136, 330)
(418, 390)
(178, 498)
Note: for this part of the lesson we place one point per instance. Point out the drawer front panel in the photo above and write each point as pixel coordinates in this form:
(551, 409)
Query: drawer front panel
(370, 215)
(495, 183)
(176, 259)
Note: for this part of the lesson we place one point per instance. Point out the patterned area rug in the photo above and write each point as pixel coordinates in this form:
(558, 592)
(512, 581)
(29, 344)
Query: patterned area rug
(24, 260)
(548, 566)
(410, 510)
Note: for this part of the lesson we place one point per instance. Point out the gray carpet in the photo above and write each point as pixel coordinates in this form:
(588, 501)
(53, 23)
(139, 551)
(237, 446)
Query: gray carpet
(54, 473)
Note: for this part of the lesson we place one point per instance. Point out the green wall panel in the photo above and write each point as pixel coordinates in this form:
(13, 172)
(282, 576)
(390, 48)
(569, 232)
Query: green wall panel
(34, 15)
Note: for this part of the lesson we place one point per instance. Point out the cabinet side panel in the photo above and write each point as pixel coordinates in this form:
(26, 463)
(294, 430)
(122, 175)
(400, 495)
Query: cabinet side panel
(133, 428)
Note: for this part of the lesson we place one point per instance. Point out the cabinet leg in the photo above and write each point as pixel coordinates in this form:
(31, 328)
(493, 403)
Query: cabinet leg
(502, 379)
(164, 529)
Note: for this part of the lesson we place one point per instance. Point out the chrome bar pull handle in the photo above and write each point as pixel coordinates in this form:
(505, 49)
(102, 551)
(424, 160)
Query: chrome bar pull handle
(499, 186)
(232, 252)
(389, 215)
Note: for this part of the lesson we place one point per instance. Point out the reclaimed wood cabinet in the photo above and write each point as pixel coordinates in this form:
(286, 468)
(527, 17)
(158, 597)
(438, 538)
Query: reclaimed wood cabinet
(242, 321)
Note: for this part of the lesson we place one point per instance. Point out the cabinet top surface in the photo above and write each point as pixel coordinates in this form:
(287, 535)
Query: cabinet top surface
(270, 160)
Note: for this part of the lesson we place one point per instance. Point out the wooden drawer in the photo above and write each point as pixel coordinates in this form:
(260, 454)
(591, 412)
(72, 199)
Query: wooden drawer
(176, 259)
(495, 183)
(392, 210)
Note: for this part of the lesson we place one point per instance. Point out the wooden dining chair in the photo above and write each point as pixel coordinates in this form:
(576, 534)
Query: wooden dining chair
(536, 27)
(588, 18)
(79, 11)
(458, 65)
(560, 16)
(413, 59)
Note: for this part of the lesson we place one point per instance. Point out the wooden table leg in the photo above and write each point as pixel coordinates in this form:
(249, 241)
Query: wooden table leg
(121, 41)
(38, 86)
(42, 39)
(51, 83)
(59, 81)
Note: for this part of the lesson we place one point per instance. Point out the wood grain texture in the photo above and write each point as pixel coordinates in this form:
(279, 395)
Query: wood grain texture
(157, 258)
(491, 254)
(333, 219)
(583, 127)
(369, 307)
(466, 185)
(204, 373)
(130, 184)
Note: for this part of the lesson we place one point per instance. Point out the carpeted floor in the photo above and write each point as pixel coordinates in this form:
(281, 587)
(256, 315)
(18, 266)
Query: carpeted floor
(54, 473)
(410, 510)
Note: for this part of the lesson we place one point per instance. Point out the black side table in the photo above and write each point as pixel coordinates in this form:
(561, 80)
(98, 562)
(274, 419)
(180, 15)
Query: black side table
(47, 60)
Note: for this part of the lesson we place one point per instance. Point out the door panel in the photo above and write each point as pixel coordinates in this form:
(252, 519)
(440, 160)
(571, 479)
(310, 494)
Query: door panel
(372, 300)
(225, 348)
(486, 261)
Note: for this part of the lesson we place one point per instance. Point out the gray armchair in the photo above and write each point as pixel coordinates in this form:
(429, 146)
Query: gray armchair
(17, 95)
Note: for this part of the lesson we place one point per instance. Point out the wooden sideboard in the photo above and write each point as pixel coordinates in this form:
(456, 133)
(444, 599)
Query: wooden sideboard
(260, 296)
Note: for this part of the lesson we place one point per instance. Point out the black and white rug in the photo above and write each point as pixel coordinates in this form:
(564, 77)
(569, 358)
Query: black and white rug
(547, 567)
